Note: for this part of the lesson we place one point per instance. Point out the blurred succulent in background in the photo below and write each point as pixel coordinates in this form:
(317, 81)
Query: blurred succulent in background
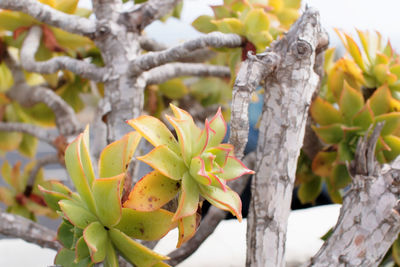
(20, 197)
(195, 166)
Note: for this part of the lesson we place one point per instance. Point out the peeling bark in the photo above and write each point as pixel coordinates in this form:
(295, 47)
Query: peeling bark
(288, 92)
(369, 220)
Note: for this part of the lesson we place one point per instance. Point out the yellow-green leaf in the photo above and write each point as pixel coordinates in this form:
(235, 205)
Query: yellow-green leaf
(256, 21)
(173, 89)
(351, 101)
(324, 113)
(96, 238)
(380, 100)
(11, 20)
(204, 24)
(188, 198)
(394, 143)
(354, 51)
(331, 134)
(392, 122)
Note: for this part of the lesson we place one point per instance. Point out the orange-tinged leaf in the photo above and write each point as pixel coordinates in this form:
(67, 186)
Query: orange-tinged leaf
(227, 200)
(114, 159)
(166, 162)
(364, 118)
(331, 134)
(152, 192)
(324, 113)
(81, 249)
(106, 193)
(198, 171)
(217, 130)
(380, 100)
(51, 3)
(329, 59)
(6, 196)
(154, 131)
(364, 41)
(134, 252)
(234, 169)
(355, 51)
(188, 198)
(336, 79)
(146, 225)
(322, 163)
(383, 74)
(394, 143)
(392, 122)
(183, 130)
(351, 101)
(85, 157)
(96, 239)
(187, 228)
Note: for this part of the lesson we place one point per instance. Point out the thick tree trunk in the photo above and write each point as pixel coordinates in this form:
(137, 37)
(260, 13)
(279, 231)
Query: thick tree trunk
(288, 92)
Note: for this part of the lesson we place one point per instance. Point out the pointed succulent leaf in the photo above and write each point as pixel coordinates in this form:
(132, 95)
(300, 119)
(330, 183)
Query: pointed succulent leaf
(198, 172)
(76, 171)
(152, 192)
(111, 259)
(81, 250)
(233, 169)
(6, 196)
(114, 159)
(392, 122)
(53, 197)
(10, 20)
(183, 130)
(323, 163)
(85, 157)
(331, 134)
(65, 257)
(96, 238)
(227, 200)
(364, 118)
(70, 40)
(355, 52)
(134, 252)
(351, 101)
(166, 162)
(230, 25)
(188, 198)
(310, 190)
(394, 143)
(187, 228)
(256, 21)
(76, 214)
(203, 24)
(65, 234)
(324, 113)
(217, 129)
(154, 131)
(340, 176)
(106, 193)
(146, 225)
(221, 153)
(380, 100)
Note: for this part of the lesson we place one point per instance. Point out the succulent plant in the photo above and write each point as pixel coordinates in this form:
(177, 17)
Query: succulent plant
(95, 225)
(196, 166)
(20, 197)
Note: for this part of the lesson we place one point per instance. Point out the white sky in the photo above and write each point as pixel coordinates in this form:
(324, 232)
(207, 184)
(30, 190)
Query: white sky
(382, 15)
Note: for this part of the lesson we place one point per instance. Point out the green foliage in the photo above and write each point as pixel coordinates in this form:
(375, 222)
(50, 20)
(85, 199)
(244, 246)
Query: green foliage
(197, 165)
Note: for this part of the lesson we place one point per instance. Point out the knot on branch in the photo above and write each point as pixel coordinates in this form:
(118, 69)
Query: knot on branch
(364, 162)
(301, 49)
(102, 29)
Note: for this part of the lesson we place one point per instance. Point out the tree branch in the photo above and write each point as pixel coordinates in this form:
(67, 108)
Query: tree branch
(80, 67)
(288, 92)
(251, 73)
(369, 220)
(210, 222)
(172, 70)
(31, 129)
(154, 59)
(19, 227)
(51, 16)
(149, 44)
(152, 10)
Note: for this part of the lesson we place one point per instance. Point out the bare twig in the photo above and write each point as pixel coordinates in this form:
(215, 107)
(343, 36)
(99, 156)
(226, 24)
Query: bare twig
(172, 70)
(49, 159)
(154, 59)
(137, 19)
(150, 44)
(33, 130)
(210, 222)
(19, 227)
(80, 67)
(51, 16)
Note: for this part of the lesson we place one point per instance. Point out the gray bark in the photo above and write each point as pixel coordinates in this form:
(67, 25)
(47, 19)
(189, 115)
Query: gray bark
(369, 220)
(288, 92)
